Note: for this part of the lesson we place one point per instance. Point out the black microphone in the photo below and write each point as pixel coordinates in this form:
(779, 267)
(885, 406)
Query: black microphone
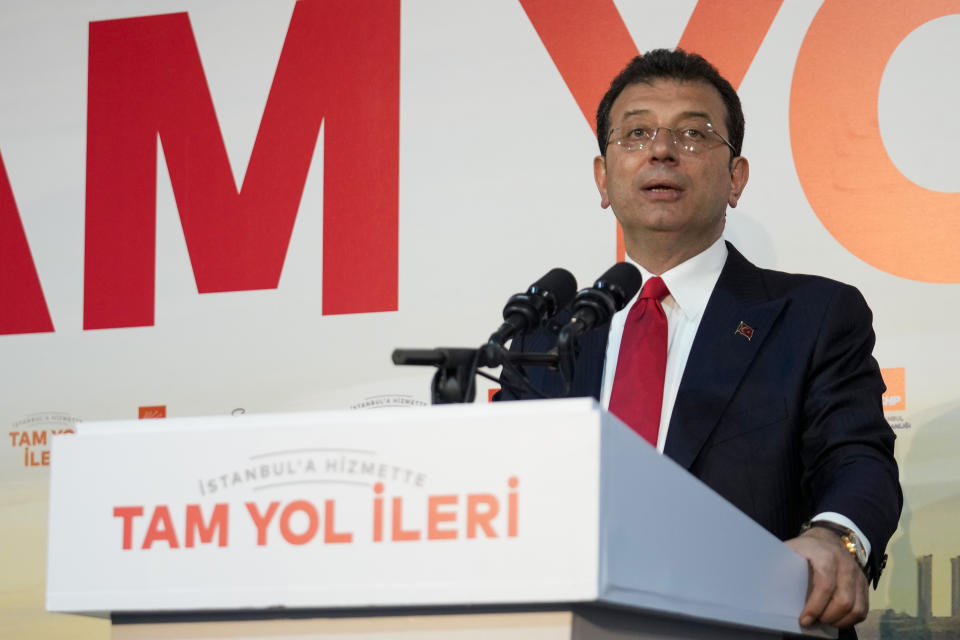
(529, 310)
(594, 307)
(611, 292)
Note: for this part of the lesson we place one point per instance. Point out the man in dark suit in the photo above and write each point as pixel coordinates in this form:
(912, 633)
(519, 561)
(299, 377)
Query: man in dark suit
(768, 392)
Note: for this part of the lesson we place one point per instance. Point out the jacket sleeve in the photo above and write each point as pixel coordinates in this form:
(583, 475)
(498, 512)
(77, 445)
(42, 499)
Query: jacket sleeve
(847, 445)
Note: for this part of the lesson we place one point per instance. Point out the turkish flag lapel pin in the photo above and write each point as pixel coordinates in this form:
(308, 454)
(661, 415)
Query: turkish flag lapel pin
(745, 330)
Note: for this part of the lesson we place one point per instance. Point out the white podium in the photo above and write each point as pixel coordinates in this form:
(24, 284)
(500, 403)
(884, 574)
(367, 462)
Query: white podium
(542, 519)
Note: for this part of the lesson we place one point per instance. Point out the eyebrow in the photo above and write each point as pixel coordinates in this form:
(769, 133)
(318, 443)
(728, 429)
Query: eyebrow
(685, 114)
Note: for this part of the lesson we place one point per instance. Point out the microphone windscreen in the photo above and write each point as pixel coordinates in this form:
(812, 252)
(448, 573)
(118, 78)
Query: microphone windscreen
(558, 283)
(622, 281)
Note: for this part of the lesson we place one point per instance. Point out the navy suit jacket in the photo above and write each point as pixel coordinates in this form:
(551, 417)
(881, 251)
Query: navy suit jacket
(785, 424)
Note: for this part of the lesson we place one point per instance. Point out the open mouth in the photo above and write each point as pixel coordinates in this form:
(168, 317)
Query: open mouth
(661, 187)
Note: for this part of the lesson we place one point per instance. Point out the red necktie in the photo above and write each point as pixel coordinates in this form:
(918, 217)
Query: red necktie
(637, 394)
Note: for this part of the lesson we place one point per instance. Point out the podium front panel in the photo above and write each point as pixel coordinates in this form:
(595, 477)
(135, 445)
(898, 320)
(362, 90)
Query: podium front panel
(389, 507)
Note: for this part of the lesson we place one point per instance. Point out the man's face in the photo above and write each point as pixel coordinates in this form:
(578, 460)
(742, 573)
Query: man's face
(661, 192)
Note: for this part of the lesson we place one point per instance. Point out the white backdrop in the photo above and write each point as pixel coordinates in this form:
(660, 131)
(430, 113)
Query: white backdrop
(495, 188)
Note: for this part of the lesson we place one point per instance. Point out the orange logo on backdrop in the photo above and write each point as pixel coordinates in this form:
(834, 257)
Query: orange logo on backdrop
(895, 397)
(860, 196)
(156, 411)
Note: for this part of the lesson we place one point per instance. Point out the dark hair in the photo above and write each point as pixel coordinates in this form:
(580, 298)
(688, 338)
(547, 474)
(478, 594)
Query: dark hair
(675, 65)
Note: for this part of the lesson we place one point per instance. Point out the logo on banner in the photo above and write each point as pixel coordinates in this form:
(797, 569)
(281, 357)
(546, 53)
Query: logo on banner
(895, 397)
(33, 433)
(150, 412)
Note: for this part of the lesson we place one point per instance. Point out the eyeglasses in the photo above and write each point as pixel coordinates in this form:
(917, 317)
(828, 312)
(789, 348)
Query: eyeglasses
(689, 138)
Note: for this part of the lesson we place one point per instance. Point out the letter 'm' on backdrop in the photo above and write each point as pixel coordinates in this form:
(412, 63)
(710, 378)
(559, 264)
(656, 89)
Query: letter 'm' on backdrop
(244, 206)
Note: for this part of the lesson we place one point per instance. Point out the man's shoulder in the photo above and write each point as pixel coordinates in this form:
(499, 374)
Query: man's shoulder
(784, 284)
(802, 283)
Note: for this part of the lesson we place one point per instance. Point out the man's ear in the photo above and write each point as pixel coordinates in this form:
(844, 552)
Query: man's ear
(739, 174)
(600, 177)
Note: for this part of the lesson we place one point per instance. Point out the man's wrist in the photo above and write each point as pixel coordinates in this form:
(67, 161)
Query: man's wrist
(847, 537)
(844, 521)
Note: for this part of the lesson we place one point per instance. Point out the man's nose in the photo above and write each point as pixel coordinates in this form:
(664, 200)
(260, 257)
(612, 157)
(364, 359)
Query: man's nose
(663, 145)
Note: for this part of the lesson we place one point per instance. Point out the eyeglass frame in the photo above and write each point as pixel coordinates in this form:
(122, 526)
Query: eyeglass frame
(673, 138)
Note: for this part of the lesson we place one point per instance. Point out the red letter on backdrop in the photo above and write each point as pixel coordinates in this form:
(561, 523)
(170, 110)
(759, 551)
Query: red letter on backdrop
(590, 44)
(23, 308)
(339, 65)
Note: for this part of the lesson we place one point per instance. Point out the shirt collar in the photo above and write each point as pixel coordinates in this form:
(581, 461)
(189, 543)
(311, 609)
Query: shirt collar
(691, 282)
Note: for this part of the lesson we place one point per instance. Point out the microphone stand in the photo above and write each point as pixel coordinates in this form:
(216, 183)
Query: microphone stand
(456, 367)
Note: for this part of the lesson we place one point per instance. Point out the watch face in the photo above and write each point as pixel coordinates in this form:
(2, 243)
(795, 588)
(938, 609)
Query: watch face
(858, 552)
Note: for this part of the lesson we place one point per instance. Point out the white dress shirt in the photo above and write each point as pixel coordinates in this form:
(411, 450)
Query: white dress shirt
(690, 284)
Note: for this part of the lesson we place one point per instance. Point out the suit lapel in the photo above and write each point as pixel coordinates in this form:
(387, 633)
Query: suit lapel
(720, 356)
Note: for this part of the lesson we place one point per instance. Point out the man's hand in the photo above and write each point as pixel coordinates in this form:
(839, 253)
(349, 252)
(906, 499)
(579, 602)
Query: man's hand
(837, 592)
